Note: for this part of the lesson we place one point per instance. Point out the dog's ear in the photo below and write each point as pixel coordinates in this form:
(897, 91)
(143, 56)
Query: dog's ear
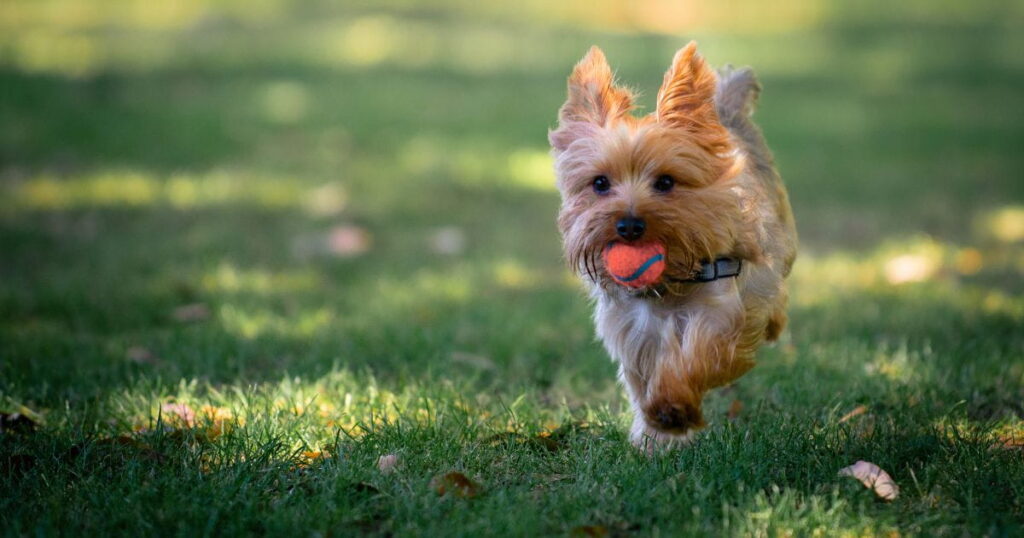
(687, 95)
(594, 100)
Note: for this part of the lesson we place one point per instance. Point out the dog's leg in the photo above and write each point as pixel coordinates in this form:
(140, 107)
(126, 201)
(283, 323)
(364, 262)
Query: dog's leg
(701, 355)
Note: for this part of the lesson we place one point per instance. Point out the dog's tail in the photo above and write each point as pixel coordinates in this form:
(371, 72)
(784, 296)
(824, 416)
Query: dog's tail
(735, 100)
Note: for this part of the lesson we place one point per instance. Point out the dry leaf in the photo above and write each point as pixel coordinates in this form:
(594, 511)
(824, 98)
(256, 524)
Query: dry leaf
(387, 463)
(589, 531)
(191, 312)
(873, 477)
(857, 411)
(543, 440)
(455, 483)
(16, 423)
(178, 414)
(735, 408)
(307, 458)
(216, 430)
(1009, 442)
(310, 456)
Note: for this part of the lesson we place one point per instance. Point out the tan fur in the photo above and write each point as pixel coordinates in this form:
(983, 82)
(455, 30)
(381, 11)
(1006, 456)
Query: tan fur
(676, 341)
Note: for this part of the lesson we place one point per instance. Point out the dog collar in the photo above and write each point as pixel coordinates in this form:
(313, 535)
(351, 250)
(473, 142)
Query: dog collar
(720, 268)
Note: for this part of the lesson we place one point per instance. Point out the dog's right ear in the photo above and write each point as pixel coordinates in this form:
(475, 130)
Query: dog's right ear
(594, 100)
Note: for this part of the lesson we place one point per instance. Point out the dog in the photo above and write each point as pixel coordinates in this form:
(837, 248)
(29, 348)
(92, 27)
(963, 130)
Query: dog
(695, 178)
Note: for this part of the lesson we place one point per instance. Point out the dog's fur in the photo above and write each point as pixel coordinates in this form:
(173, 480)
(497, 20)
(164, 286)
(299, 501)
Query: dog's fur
(676, 340)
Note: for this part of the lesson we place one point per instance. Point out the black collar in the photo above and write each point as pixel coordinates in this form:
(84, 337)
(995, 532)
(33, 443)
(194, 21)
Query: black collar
(711, 271)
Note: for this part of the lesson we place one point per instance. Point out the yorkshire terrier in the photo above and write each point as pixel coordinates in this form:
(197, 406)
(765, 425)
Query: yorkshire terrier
(696, 179)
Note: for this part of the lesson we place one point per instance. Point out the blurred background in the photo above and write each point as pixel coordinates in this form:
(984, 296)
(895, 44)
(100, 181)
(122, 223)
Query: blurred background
(230, 189)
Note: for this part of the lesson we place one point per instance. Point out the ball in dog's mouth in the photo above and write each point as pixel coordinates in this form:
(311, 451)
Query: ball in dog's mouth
(635, 265)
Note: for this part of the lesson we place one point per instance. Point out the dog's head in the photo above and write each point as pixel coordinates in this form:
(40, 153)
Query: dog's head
(658, 178)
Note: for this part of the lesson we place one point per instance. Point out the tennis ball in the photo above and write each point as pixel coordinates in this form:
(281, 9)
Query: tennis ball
(635, 265)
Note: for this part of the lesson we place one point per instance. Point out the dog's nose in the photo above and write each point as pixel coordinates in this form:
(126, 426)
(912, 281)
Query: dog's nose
(630, 228)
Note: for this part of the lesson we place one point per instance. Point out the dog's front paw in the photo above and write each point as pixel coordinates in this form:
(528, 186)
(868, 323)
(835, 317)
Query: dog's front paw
(674, 418)
(651, 440)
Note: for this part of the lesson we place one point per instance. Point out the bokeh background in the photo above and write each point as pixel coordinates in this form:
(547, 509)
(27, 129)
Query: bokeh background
(356, 198)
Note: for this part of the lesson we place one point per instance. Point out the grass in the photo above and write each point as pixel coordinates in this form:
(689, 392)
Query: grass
(244, 253)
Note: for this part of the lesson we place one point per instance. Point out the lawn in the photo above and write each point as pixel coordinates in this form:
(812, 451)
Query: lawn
(247, 249)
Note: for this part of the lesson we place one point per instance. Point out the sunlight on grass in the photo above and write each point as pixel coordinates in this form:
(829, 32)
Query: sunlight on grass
(47, 51)
(780, 512)
(250, 323)
(897, 364)
(285, 102)
(424, 288)
(1004, 224)
(180, 190)
(476, 164)
(63, 36)
(819, 279)
(532, 169)
(228, 278)
(311, 414)
(514, 275)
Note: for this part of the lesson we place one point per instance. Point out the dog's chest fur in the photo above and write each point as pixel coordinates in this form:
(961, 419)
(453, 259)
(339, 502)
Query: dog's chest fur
(640, 332)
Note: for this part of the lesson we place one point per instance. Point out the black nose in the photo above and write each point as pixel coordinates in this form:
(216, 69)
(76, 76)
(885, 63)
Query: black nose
(630, 228)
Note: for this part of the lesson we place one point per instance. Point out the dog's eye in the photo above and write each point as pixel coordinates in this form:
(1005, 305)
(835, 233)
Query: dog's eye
(664, 183)
(602, 185)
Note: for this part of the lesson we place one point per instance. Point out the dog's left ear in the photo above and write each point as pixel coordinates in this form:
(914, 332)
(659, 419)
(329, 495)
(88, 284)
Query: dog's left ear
(687, 95)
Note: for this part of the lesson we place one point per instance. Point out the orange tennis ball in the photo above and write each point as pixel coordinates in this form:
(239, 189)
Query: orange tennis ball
(635, 265)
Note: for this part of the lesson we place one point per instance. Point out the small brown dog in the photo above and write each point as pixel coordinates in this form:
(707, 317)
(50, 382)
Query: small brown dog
(696, 180)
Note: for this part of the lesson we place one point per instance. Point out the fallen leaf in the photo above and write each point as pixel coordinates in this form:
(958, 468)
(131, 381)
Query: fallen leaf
(546, 442)
(214, 413)
(595, 531)
(735, 408)
(859, 410)
(570, 429)
(17, 422)
(387, 463)
(1009, 442)
(455, 483)
(313, 455)
(873, 477)
(178, 414)
(191, 313)
(543, 440)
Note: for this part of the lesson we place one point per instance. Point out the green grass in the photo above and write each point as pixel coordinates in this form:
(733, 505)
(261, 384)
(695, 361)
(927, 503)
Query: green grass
(150, 161)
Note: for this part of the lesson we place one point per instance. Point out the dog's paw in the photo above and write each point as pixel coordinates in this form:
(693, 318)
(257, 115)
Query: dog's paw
(652, 441)
(674, 418)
